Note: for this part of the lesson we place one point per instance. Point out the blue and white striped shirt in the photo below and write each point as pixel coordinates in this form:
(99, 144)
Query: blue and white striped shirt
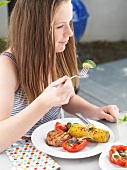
(19, 105)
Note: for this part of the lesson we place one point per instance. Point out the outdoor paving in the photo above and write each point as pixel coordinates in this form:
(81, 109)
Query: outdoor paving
(106, 84)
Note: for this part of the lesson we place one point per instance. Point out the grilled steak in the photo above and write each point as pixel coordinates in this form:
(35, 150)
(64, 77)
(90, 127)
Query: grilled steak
(55, 138)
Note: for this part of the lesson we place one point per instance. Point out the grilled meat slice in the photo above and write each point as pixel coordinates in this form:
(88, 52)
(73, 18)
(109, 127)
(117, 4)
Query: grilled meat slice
(55, 138)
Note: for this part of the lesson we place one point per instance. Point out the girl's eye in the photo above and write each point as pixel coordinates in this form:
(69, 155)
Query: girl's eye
(60, 26)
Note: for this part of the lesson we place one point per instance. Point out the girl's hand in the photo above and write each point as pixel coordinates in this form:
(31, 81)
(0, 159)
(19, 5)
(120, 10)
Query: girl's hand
(109, 113)
(59, 92)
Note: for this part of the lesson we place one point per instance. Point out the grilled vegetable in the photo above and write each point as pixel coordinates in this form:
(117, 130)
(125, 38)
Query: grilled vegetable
(74, 144)
(118, 155)
(61, 127)
(98, 135)
(69, 125)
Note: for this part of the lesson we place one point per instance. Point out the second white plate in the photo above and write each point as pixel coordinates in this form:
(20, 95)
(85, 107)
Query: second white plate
(104, 161)
(39, 136)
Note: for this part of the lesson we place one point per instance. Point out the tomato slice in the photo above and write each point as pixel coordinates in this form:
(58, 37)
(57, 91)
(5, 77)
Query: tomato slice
(72, 146)
(61, 127)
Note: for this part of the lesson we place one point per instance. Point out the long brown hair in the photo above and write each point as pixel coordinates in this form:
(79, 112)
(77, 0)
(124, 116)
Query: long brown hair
(31, 38)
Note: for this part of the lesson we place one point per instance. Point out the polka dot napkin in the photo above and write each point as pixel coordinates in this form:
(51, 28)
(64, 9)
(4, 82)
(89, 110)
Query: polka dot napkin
(27, 157)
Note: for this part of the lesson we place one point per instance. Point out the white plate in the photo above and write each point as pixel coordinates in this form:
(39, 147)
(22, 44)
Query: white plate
(39, 135)
(104, 161)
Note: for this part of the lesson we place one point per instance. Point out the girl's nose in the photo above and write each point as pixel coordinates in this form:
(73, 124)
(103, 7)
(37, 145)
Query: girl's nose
(68, 32)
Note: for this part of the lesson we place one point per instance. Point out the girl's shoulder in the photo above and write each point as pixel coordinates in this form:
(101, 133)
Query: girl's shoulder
(8, 54)
(8, 68)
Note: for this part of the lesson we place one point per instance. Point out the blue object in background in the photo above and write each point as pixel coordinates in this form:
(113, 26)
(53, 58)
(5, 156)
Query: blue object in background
(80, 16)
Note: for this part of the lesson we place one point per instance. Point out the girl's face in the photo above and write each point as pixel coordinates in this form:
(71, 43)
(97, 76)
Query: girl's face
(62, 26)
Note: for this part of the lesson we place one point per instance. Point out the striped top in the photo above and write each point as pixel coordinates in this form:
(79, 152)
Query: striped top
(19, 105)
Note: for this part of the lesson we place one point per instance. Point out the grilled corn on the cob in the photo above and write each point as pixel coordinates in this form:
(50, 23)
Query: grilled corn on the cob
(98, 135)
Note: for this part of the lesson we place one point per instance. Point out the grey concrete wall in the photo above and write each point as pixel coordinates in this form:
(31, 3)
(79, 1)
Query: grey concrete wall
(107, 20)
(3, 21)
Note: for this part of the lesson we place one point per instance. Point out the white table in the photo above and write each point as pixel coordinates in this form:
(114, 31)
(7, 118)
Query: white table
(91, 163)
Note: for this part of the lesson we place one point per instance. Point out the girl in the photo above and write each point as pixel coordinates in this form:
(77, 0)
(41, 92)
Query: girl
(33, 85)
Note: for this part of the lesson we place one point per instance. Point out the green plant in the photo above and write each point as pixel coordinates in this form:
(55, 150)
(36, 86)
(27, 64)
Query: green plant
(3, 2)
(3, 44)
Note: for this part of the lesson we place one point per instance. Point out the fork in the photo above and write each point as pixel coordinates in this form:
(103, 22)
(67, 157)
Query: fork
(88, 125)
(82, 118)
(82, 74)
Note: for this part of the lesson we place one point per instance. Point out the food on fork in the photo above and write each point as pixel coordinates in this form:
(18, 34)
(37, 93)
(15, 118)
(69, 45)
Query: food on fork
(85, 67)
(89, 64)
(97, 134)
(55, 138)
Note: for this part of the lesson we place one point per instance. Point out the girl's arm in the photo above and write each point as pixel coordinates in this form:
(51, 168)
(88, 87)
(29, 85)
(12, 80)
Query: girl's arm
(79, 105)
(13, 128)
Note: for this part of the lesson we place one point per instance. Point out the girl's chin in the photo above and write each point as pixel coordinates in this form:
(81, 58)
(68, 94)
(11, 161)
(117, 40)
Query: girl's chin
(60, 49)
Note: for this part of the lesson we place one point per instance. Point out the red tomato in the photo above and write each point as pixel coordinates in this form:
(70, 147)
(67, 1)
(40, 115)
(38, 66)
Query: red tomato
(71, 146)
(61, 127)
